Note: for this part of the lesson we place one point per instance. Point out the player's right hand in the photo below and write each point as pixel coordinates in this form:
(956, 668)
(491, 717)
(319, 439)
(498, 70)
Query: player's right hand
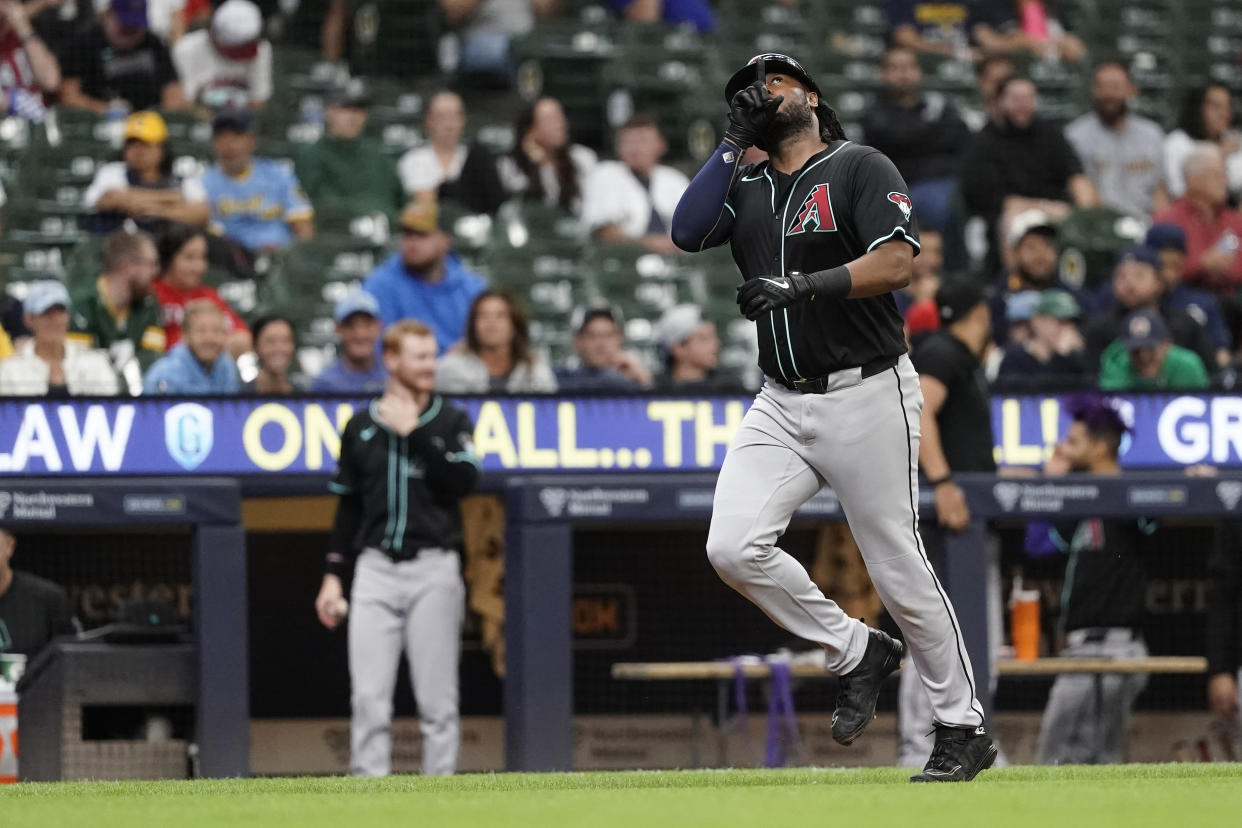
(750, 112)
(951, 510)
(328, 601)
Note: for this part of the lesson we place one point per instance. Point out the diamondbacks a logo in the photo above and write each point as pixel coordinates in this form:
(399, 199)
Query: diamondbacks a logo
(1229, 492)
(189, 432)
(815, 213)
(554, 500)
(6, 500)
(1007, 495)
(903, 203)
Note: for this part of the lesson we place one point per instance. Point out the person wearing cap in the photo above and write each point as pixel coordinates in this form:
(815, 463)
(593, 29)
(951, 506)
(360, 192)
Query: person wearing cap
(1121, 151)
(545, 166)
(29, 72)
(1033, 255)
(602, 363)
(1144, 358)
(141, 186)
(119, 312)
(957, 414)
(1213, 230)
(822, 233)
(424, 279)
(924, 135)
(1137, 286)
(200, 364)
(357, 369)
(1021, 161)
(229, 63)
(631, 200)
(344, 169)
(495, 357)
(448, 169)
(257, 202)
(1169, 242)
(690, 349)
(1019, 308)
(117, 60)
(48, 364)
(1053, 352)
(956, 428)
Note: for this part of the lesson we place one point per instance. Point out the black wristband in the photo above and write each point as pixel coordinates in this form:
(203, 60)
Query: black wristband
(948, 478)
(834, 283)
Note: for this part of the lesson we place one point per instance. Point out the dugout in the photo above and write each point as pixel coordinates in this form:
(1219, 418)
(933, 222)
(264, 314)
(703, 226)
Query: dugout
(210, 674)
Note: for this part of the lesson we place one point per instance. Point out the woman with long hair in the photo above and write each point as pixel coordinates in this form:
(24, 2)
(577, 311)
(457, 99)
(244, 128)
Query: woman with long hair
(183, 263)
(544, 166)
(496, 356)
(1206, 114)
(275, 345)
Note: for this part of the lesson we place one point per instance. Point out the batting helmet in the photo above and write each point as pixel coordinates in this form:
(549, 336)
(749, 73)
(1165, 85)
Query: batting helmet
(773, 62)
(776, 62)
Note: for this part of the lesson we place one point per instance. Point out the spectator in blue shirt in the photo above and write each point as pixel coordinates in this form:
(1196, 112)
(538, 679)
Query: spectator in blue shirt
(199, 365)
(602, 364)
(697, 13)
(424, 280)
(258, 202)
(357, 369)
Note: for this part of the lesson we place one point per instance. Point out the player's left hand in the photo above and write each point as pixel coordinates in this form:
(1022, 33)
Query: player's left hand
(757, 296)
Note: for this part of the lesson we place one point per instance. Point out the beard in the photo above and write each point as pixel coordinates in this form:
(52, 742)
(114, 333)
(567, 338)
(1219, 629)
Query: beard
(789, 122)
(1042, 279)
(1110, 112)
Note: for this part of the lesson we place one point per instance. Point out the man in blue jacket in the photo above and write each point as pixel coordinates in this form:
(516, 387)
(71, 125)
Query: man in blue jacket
(424, 280)
(199, 364)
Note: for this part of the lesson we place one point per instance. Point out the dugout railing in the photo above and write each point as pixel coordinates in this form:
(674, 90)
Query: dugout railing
(211, 509)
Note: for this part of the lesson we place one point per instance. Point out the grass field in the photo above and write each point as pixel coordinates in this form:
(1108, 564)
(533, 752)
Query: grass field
(1179, 796)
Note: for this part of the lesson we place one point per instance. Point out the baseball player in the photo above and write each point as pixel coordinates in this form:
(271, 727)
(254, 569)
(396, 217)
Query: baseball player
(1103, 603)
(822, 233)
(405, 463)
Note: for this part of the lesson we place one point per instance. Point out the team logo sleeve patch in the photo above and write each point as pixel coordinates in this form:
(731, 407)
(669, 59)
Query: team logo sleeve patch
(903, 203)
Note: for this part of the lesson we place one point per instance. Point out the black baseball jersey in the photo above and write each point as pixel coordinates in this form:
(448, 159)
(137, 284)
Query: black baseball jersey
(1106, 575)
(845, 201)
(401, 494)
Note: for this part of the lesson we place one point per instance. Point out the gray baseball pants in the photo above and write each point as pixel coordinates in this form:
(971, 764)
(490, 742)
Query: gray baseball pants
(1087, 713)
(416, 605)
(862, 439)
(914, 711)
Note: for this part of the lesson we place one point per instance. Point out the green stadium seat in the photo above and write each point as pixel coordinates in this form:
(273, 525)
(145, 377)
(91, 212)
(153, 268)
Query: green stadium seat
(1091, 239)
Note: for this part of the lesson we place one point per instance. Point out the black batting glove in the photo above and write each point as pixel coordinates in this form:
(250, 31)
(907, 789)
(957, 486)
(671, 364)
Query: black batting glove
(750, 112)
(758, 296)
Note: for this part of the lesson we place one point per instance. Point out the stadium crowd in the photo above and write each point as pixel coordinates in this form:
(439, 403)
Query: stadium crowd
(995, 191)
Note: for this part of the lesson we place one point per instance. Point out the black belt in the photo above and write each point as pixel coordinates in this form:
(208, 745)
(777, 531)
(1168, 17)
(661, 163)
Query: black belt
(819, 385)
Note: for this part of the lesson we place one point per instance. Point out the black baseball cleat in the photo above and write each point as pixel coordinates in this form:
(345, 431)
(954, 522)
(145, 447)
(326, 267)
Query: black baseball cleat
(959, 755)
(860, 687)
